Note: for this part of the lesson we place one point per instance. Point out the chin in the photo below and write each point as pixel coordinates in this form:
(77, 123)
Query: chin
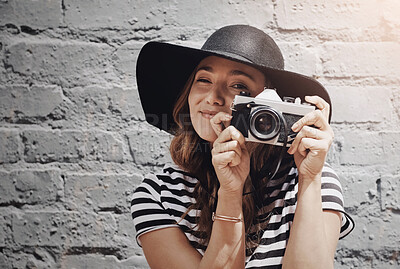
(207, 136)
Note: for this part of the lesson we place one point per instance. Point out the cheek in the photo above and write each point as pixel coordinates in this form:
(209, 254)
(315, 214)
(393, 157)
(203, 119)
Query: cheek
(191, 103)
(229, 99)
(190, 98)
(193, 99)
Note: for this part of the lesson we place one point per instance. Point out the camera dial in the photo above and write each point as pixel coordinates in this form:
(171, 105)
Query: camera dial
(288, 99)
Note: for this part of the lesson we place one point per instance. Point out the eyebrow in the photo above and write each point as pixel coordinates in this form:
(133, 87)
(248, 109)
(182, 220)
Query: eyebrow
(232, 72)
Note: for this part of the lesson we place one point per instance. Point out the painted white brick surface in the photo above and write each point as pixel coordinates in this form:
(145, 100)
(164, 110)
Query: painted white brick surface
(334, 14)
(74, 143)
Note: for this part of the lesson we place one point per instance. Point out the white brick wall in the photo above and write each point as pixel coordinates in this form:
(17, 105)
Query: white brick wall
(74, 144)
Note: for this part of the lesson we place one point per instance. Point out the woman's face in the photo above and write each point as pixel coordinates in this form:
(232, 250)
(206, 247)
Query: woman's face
(215, 84)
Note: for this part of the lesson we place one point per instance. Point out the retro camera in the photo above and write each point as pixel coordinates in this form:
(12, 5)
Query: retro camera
(267, 118)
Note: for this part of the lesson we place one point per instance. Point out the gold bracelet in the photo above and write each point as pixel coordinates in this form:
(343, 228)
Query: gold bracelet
(225, 218)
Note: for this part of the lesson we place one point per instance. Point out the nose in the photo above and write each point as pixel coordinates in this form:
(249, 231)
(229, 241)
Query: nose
(215, 96)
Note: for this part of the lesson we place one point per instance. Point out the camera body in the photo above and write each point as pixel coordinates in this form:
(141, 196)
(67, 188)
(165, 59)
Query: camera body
(266, 118)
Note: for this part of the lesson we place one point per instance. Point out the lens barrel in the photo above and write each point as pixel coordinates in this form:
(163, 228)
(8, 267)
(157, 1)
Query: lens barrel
(265, 123)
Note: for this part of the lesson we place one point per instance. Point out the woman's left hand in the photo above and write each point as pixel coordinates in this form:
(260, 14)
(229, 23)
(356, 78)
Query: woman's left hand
(313, 140)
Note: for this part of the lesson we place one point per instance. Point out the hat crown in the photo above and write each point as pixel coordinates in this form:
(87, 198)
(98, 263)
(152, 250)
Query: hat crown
(247, 42)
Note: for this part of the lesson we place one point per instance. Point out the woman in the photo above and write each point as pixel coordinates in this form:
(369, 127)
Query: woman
(227, 202)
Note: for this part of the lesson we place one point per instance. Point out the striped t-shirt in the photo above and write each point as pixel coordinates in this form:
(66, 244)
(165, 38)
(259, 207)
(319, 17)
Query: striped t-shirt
(161, 200)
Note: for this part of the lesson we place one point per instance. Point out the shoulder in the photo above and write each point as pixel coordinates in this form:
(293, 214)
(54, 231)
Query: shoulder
(170, 176)
(161, 199)
(332, 198)
(330, 178)
(174, 175)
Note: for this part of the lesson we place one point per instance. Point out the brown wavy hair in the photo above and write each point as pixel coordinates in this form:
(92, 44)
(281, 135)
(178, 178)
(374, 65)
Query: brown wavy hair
(193, 155)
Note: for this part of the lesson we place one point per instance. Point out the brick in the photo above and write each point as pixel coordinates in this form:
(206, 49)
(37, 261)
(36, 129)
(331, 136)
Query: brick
(299, 58)
(362, 148)
(142, 15)
(373, 102)
(4, 263)
(9, 146)
(103, 146)
(391, 147)
(257, 13)
(334, 14)
(112, 14)
(100, 192)
(96, 105)
(31, 187)
(50, 146)
(388, 12)
(334, 151)
(373, 232)
(360, 187)
(64, 229)
(363, 59)
(125, 59)
(71, 146)
(35, 101)
(396, 100)
(5, 227)
(152, 150)
(31, 258)
(125, 236)
(101, 261)
(390, 192)
(366, 258)
(65, 63)
(37, 14)
(3, 71)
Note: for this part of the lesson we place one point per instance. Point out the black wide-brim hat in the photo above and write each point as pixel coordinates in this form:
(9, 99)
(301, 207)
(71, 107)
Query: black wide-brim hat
(163, 69)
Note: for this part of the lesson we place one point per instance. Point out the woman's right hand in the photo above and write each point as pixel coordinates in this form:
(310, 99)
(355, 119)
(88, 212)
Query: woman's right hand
(230, 156)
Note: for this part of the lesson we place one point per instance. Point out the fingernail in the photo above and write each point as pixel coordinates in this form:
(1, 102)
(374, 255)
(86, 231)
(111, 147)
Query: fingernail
(295, 126)
(289, 150)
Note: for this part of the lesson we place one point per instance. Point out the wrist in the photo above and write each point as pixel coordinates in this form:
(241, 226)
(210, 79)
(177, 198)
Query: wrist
(310, 185)
(309, 178)
(230, 195)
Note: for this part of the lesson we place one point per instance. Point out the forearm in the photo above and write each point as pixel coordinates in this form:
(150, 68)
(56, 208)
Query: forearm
(307, 247)
(226, 247)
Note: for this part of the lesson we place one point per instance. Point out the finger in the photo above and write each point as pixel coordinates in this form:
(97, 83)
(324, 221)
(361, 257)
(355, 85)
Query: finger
(309, 132)
(321, 104)
(315, 118)
(226, 158)
(217, 122)
(313, 146)
(233, 145)
(230, 133)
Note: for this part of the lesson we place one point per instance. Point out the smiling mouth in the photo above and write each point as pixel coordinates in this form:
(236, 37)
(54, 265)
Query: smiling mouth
(208, 114)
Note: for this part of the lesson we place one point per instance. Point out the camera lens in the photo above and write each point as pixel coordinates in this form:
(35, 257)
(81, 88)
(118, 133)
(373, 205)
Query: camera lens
(265, 123)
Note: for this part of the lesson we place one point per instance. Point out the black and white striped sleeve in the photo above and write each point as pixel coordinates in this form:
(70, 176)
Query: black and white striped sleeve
(147, 211)
(332, 198)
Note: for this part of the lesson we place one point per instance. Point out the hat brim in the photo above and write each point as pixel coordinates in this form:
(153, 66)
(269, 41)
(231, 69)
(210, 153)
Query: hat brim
(162, 70)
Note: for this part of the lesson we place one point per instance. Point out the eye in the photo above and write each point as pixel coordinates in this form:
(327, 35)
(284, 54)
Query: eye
(240, 86)
(203, 80)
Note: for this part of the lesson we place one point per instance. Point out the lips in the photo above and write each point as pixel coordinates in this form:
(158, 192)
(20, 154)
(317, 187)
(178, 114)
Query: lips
(208, 114)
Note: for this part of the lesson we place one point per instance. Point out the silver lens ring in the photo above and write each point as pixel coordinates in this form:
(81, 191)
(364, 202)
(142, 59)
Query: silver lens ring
(265, 123)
